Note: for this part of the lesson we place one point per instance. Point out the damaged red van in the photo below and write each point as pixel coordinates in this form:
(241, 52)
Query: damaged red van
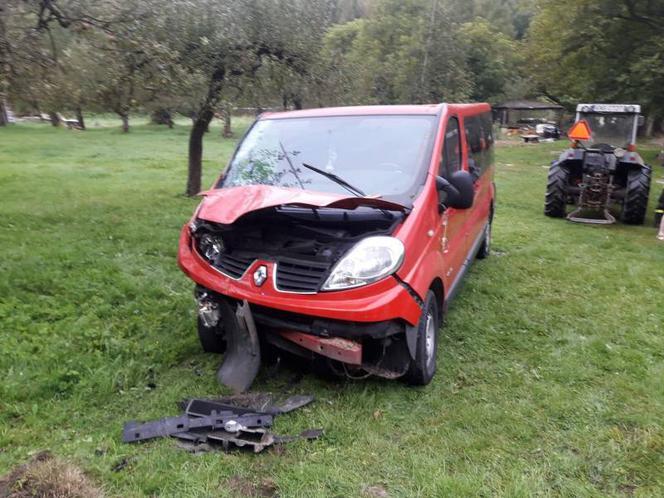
(342, 235)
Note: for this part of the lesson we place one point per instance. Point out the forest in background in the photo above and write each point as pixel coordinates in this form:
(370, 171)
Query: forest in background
(202, 58)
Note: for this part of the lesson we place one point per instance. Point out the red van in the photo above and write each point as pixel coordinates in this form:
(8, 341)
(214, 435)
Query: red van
(342, 234)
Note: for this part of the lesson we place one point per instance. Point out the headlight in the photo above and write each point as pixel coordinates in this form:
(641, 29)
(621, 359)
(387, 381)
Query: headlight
(369, 260)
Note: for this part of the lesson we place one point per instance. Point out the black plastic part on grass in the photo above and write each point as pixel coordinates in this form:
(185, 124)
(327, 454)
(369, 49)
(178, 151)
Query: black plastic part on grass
(243, 354)
(169, 426)
(205, 407)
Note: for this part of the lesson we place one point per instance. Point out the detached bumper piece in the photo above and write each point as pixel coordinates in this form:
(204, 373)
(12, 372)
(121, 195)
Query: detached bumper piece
(218, 424)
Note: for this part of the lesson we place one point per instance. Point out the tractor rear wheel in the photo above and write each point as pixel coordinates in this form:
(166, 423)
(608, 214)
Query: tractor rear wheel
(635, 204)
(556, 191)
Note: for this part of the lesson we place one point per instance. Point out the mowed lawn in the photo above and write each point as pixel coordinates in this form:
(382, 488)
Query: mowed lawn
(551, 363)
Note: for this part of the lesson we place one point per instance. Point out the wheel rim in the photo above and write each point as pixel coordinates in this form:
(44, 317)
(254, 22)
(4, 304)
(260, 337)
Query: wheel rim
(430, 340)
(487, 236)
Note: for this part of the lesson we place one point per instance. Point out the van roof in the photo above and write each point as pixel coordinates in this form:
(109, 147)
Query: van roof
(375, 110)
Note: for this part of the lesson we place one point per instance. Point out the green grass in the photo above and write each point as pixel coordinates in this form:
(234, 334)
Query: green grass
(551, 362)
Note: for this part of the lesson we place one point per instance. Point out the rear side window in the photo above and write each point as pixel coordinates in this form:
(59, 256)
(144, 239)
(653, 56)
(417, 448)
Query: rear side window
(451, 158)
(479, 136)
(474, 134)
(487, 129)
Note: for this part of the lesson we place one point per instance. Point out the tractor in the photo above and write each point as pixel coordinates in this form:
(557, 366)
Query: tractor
(601, 172)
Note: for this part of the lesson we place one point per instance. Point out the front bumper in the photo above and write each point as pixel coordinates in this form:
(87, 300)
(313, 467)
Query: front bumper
(383, 301)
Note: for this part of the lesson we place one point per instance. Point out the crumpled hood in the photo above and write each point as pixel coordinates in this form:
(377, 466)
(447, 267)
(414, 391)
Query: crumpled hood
(227, 204)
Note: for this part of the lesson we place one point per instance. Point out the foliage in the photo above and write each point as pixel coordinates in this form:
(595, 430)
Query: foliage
(550, 361)
(405, 52)
(600, 50)
(493, 58)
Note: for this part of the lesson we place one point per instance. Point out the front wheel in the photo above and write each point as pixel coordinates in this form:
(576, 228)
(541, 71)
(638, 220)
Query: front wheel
(212, 339)
(637, 190)
(423, 367)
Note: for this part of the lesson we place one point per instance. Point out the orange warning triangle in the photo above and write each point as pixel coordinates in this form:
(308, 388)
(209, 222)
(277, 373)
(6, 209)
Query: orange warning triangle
(580, 131)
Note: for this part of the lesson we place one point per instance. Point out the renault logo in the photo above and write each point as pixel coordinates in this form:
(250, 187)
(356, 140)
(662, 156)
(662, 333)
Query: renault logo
(260, 275)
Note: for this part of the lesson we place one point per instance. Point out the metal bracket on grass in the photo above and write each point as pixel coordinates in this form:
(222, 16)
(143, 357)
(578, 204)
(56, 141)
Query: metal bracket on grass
(134, 431)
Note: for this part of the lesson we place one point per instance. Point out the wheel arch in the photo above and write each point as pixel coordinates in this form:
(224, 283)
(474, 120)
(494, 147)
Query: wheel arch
(438, 289)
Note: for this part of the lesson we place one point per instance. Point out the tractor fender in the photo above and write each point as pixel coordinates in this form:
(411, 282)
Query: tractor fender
(633, 160)
(570, 155)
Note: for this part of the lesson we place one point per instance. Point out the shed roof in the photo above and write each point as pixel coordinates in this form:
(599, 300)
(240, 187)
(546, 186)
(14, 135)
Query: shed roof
(528, 104)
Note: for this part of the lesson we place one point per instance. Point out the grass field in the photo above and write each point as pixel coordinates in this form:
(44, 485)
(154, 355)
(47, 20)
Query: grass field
(551, 362)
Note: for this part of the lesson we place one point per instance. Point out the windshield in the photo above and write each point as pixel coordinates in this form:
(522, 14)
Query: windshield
(612, 129)
(382, 156)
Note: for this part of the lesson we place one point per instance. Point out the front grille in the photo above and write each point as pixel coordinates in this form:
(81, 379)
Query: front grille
(211, 249)
(295, 275)
(233, 265)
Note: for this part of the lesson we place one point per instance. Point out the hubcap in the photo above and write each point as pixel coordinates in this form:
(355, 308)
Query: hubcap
(430, 339)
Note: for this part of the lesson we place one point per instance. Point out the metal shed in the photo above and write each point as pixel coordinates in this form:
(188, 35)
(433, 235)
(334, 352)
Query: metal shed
(520, 113)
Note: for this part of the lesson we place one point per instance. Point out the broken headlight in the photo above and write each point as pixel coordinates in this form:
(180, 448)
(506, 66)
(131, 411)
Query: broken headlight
(369, 260)
(210, 246)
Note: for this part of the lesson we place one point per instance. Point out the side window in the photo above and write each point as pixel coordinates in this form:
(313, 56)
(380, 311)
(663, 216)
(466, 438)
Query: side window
(479, 136)
(487, 129)
(474, 135)
(451, 159)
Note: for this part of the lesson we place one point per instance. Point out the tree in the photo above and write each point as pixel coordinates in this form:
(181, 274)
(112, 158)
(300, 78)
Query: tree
(617, 57)
(34, 36)
(493, 58)
(224, 41)
(404, 52)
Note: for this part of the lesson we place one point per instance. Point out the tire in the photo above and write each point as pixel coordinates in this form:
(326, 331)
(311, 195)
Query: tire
(485, 248)
(556, 191)
(212, 338)
(637, 190)
(423, 367)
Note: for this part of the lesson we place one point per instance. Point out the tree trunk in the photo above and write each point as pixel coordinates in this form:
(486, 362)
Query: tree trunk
(124, 116)
(196, 151)
(650, 125)
(200, 126)
(4, 67)
(55, 119)
(79, 118)
(4, 117)
(228, 131)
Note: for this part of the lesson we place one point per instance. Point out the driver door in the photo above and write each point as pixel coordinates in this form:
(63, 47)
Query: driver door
(453, 221)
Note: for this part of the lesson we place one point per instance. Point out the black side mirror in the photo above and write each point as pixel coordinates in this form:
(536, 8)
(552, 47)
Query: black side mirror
(458, 192)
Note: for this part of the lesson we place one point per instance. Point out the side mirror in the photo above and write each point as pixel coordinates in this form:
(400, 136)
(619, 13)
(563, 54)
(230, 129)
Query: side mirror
(458, 192)
(641, 120)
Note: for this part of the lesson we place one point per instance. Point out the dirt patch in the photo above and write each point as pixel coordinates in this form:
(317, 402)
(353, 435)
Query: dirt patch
(266, 488)
(375, 492)
(47, 477)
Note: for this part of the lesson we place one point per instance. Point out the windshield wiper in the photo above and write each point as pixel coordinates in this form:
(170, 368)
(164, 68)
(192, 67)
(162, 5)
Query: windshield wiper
(290, 163)
(336, 179)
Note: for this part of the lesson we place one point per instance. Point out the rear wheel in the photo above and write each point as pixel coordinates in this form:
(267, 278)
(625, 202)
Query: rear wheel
(485, 248)
(556, 191)
(637, 190)
(423, 367)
